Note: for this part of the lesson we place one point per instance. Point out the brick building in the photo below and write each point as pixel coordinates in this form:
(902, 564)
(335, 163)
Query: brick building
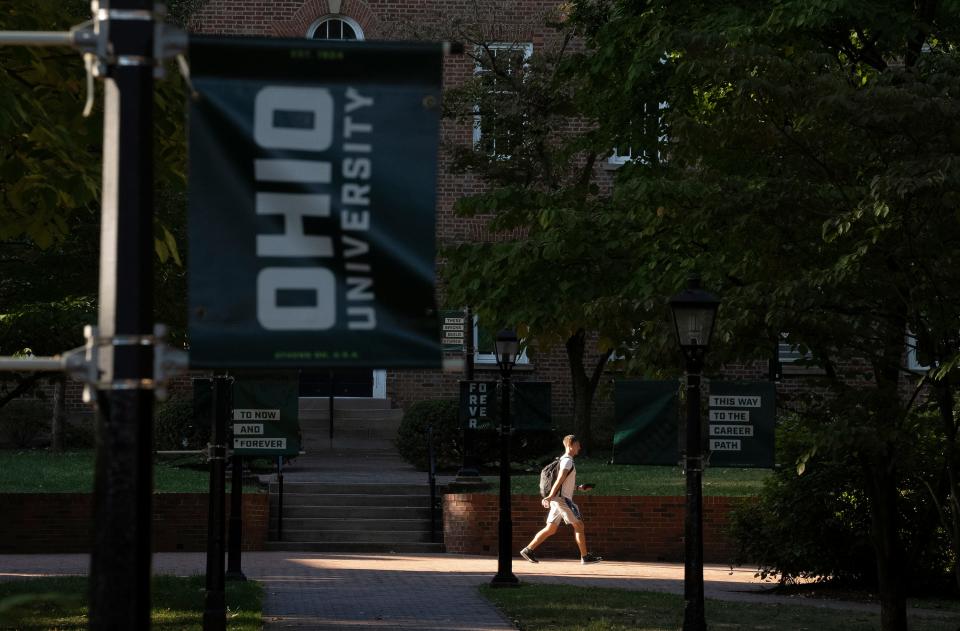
(518, 24)
(515, 23)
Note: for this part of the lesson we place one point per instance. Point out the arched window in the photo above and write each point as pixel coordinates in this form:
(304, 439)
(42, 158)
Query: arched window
(335, 27)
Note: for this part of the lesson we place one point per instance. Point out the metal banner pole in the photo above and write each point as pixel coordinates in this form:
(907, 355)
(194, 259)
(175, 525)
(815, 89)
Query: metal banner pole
(123, 487)
(215, 607)
(234, 571)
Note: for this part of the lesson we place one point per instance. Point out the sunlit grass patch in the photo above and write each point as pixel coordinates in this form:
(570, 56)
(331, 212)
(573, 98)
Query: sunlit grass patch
(178, 602)
(569, 608)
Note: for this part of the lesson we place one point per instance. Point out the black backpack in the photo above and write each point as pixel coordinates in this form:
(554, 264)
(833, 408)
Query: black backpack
(548, 475)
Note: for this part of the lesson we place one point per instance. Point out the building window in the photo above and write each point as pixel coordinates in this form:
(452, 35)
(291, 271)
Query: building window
(483, 345)
(913, 363)
(645, 139)
(335, 27)
(492, 63)
(788, 353)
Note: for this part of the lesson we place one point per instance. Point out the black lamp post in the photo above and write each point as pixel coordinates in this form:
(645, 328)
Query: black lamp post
(694, 312)
(507, 346)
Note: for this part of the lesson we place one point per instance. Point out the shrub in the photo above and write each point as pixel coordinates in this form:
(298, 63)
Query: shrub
(22, 421)
(175, 427)
(817, 523)
(79, 434)
(411, 442)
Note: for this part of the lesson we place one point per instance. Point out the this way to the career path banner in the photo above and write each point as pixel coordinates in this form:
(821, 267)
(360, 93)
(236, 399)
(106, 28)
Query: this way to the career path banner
(312, 203)
(741, 424)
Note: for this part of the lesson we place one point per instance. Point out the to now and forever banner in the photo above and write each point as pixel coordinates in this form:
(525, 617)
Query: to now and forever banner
(312, 203)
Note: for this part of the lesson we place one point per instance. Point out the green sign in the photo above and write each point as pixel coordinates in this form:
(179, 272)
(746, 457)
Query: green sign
(265, 420)
(313, 169)
(453, 330)
(532, 408)
(478, 405)
(740, 429)
(647, 423)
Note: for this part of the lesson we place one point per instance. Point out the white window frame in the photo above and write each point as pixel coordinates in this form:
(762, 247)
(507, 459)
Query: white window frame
(336, 16)
(490, 358)
(617, 159)
(788, 354)
(913, 365)
(478, 69)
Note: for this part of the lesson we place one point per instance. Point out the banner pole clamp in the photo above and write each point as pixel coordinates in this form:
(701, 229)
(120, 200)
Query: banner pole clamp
(91, 38)
(82, 363)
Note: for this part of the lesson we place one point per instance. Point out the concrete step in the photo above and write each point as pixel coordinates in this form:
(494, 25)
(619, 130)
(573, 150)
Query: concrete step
(356, 512)
(353, 536)
(314, 444)
(343, 403)
(356, 427)
(332, 488)
(322, 415)
(347, 499)
(353, 546)
(326, 524)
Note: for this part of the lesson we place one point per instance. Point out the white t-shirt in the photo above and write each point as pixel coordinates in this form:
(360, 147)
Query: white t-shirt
(570, 482)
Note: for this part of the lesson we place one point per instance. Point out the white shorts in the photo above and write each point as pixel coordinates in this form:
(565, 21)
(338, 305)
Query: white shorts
(564, 508)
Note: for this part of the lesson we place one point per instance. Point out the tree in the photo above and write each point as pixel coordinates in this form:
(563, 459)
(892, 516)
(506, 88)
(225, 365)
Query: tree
(556, 257)
(50, 187)
(810, 176)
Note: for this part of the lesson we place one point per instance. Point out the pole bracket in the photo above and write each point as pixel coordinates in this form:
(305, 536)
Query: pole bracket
(92, 39)
(82, 363)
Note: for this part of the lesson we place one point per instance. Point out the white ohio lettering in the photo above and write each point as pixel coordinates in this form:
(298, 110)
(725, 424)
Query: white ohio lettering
(316, 102)
(321, 316)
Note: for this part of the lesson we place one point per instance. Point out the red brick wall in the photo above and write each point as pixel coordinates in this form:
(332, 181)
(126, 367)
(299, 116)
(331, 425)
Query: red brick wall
(62, 522)
(617, 528)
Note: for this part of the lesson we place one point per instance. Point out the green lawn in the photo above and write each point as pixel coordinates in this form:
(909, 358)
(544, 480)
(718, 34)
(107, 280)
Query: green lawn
(40, 471)
(622, 479)
(60, 603)
(569, 608)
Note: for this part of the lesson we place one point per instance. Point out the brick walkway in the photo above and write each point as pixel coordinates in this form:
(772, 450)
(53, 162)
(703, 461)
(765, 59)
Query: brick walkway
(422, 592)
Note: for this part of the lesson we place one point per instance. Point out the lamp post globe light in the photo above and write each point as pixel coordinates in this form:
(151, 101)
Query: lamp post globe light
(694, 313)
(506, 346)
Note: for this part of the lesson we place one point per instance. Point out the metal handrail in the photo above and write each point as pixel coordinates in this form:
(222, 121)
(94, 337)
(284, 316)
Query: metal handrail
(432, 479)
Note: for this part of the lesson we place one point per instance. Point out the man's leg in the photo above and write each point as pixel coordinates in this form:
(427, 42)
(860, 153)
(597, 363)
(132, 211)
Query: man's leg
(580, 537)
(545, 533)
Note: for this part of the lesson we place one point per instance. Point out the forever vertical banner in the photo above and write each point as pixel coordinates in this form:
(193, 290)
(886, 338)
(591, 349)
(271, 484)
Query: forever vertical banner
(312, 203)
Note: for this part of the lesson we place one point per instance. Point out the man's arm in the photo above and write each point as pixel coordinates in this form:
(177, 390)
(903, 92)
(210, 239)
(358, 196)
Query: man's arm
(555, 489)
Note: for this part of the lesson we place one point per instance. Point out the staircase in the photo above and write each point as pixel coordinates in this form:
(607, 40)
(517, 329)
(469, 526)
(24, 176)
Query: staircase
(330, 517)
(354, 493)
(364, 424)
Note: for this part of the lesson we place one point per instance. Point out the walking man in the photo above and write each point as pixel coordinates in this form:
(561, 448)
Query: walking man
(560, 503)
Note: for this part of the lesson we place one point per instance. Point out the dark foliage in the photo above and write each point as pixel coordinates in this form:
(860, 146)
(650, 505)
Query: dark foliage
(175, 427)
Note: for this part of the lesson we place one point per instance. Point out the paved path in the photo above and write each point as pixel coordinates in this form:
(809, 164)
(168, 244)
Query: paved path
(420, 592)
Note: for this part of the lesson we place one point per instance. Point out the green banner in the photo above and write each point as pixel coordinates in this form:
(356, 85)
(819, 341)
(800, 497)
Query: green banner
(478, 405)
(647, 423)
(313, 171)
(453, 330)
(532, 406)
(266, 415)
(740, 429)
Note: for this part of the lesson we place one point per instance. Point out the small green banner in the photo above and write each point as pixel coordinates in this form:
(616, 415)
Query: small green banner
(647, 423)
(478, 405)
(265, 419)
(531, 408)
(740, 429)
(453, 330)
